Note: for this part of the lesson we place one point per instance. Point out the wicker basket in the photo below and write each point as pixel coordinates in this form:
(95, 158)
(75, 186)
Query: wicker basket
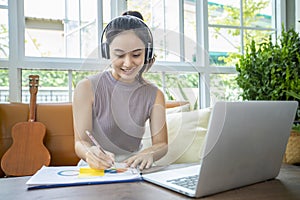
(292, 152)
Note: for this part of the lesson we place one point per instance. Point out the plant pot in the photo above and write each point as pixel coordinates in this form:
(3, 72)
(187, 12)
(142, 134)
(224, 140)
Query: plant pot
(292, 152)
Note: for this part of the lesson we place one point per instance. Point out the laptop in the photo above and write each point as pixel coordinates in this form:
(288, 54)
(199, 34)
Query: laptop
(245, 144)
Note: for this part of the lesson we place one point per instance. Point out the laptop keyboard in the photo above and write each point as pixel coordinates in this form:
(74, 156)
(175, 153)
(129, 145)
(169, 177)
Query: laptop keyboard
(189, 182)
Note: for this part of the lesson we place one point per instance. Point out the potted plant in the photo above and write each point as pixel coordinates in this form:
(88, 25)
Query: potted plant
(271, 71)
(292, 154)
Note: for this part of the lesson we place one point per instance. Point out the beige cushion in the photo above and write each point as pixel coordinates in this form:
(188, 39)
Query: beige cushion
(186, 133)
(177, 109)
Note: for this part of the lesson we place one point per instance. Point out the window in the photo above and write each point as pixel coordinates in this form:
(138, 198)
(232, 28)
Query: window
(230, 30)
(4, 49)
(196, 44)
(227, 31)
(167, 29)
(56, 29)
(4, 96)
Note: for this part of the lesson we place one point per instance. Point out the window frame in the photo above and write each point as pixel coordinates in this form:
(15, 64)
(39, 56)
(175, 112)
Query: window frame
(18, 61)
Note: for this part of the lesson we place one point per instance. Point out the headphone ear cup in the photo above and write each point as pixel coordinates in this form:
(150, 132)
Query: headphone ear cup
(148, 53)
(105, 50)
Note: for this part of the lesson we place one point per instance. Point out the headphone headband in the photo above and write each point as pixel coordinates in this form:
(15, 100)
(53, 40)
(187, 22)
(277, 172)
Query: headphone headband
(127, 24)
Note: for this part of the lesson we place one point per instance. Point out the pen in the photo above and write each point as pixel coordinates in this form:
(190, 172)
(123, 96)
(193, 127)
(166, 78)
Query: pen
(95, 141)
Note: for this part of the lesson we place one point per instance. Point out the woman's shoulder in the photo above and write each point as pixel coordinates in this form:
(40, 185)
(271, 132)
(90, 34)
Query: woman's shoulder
(152, 89)
(88, 79)
(97, 76)
(149, 84)
(83, 84)
(83, 91)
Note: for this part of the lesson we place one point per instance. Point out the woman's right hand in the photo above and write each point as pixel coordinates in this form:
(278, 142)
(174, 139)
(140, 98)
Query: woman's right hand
(98, 160)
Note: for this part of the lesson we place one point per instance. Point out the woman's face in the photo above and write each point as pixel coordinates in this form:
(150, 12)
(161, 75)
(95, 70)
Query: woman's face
(127, 52)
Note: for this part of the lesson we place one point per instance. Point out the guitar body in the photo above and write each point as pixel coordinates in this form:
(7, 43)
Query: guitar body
(27, 153)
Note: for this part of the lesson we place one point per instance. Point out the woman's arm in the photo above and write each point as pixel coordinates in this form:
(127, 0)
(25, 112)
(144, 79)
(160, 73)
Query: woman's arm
(82, 118)
(158, 127)
(159, 136)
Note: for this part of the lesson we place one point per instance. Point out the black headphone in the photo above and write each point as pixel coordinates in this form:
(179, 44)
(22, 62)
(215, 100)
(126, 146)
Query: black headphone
(148, 49)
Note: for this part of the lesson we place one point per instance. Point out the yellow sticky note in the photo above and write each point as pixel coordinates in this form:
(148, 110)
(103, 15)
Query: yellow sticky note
(86, 172)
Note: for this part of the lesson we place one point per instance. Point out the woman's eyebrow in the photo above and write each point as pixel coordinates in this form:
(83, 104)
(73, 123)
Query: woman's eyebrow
(119, 50)
(122, 51)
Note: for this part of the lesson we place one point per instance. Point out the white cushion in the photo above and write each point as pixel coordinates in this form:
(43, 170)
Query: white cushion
(177, 109)
(186, 133)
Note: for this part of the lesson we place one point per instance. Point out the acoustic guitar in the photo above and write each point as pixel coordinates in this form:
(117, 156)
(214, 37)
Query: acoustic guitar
(27, 153)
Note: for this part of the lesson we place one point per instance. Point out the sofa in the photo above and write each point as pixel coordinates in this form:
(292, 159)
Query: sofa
(186, 129)
(57, 118)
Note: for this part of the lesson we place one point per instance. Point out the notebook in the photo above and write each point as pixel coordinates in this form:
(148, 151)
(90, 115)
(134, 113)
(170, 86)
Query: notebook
(245, 144)
(64, 176)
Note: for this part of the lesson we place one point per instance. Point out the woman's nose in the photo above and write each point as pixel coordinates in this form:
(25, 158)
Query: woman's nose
(127, 60)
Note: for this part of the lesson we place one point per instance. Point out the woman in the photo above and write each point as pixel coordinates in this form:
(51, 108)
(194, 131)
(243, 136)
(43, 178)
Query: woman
(115, 104)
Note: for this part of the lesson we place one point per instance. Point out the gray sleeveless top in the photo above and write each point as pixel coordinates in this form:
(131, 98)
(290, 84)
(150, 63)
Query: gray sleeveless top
(120, 111)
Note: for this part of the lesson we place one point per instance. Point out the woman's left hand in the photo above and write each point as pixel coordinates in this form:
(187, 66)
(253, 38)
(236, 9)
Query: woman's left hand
(143, 160)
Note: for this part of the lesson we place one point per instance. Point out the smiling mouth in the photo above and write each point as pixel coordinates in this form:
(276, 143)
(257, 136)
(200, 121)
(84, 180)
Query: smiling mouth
(128, 71)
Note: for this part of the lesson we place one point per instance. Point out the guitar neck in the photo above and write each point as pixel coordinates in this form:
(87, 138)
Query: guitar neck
(33, 88)
(32, 108)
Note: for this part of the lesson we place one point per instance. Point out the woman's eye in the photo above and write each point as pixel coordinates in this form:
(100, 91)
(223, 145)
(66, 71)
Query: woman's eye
(136, 55)
(119, 55)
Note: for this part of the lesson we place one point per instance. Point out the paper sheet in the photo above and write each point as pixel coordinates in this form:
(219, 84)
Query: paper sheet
(69, 175)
